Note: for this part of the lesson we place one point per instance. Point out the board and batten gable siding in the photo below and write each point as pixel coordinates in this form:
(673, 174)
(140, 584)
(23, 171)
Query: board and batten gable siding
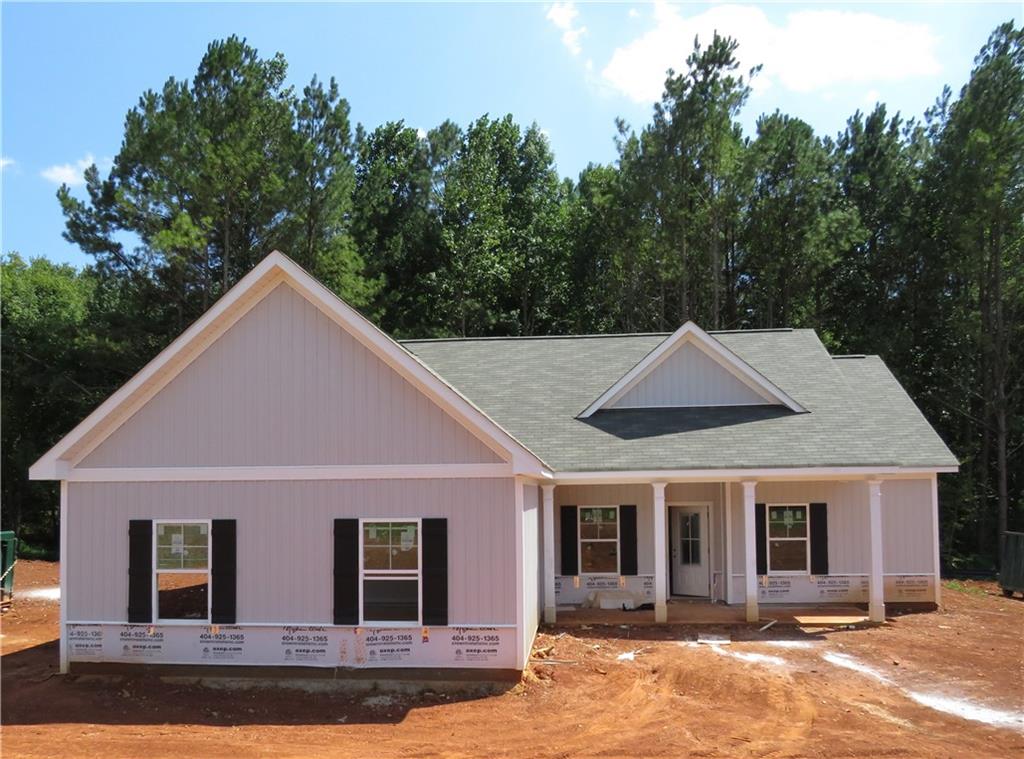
(906, 523)
(689, 377)
(285, 542)
(286, 386)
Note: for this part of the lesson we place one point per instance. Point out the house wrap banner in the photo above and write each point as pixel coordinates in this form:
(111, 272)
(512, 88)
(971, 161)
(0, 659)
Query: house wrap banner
(309, 646)
(839, 588)
(575, 589)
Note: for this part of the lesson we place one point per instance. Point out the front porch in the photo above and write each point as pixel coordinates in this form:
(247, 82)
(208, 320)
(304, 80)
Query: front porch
(698, 612)
(690, 551)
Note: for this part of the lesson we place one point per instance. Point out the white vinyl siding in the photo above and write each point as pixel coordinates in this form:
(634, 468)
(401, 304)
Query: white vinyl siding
(285, 543)
(287, 386)
(906, 524)
(690, 377)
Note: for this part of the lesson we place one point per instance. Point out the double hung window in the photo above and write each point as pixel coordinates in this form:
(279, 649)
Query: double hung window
(181, 571)
(788, 543)
(390, 570)
(599, 540)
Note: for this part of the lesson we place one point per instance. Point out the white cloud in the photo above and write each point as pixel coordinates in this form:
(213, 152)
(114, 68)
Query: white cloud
(563, 16)
(633, 13)
(810, 51)
(421, 133)
(70, 174)
(6, 162)
(871, 97)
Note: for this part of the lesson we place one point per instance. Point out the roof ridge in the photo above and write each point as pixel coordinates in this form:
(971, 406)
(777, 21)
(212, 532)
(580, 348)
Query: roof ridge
(749, 331)
(587, 336)
(495, 338)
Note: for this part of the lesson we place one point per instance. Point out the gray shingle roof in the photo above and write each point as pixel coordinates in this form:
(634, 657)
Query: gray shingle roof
(858, 414)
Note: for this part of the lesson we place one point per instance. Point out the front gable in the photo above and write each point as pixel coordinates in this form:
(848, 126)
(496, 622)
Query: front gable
(282, 379)
(690, 377)
(690, 368)
(286, 386)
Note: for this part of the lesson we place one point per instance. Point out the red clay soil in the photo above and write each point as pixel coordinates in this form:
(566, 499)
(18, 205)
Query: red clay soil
(765, 694)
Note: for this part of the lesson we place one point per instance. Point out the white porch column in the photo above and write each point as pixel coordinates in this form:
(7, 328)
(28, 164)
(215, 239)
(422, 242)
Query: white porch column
(660, 554)
(750, 550)
(549, 553)
(728, 541)
(876, 599)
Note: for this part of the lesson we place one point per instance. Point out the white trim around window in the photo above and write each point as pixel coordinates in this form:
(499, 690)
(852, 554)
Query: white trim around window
(207, 571)
(580, 540)
(806, 539)
(392, 574)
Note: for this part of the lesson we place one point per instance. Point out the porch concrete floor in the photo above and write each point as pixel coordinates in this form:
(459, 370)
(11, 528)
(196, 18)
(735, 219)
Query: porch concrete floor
(702, 612)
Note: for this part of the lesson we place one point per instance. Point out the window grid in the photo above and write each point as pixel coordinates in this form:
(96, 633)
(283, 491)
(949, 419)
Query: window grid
(396, 575)
(689, 542)
(788, 516)
(600, 512)
(161, 528)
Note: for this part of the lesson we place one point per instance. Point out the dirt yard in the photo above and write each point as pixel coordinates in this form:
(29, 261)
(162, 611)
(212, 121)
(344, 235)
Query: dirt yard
(944, 684)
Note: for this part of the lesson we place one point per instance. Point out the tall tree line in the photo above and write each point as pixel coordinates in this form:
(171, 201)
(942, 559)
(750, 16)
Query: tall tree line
(897, 236)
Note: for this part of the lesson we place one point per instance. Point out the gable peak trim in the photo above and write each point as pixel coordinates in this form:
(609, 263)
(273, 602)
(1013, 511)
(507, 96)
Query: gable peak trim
(275, 268)
(690, 333)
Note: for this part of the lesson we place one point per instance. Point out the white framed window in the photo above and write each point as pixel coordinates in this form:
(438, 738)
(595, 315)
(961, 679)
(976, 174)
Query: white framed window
(181, 570)
(390, 579)
(599, 540)
(789, 545)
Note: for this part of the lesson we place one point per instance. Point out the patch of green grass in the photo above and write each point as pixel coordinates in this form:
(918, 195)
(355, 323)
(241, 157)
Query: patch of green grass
(959, 587)
(34, 551)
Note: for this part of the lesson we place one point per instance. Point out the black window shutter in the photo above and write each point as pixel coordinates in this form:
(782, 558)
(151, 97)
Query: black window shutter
(761, 531)
(627, 540)
(140, 570)
(435, 572)
(346, 571)
(819, 539)
(222, 572)
(570, 544)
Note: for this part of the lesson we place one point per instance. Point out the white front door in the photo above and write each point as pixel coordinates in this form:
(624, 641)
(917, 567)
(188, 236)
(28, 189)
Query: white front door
(691, 563)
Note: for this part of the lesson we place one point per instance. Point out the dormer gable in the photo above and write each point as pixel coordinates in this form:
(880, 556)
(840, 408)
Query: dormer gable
(690, 368)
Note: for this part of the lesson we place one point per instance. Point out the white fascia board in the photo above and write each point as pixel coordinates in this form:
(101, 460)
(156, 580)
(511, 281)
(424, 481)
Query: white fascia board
(739, 475)
(690, 332)
(272, 270)
(266, 473)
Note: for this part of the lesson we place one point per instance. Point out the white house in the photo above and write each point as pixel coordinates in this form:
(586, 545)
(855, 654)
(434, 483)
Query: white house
(287, 485)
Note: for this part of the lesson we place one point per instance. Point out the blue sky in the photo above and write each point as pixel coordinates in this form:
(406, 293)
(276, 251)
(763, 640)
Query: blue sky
(71, 72)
